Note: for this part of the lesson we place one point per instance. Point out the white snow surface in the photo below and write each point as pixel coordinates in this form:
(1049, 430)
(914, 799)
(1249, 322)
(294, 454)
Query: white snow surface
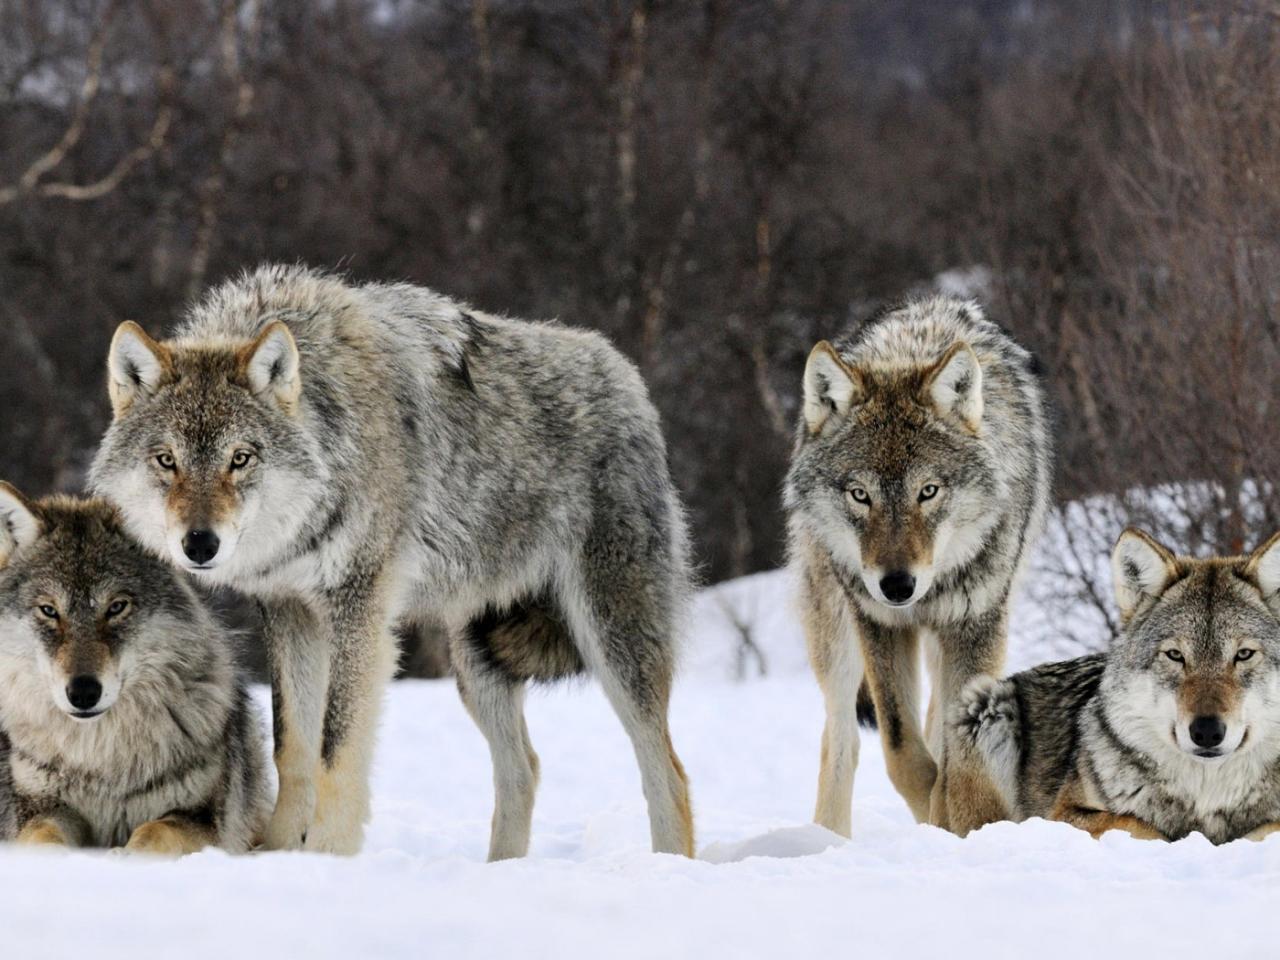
(767, 882)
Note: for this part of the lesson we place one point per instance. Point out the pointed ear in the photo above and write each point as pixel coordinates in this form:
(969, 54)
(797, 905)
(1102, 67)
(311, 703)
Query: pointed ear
(271, 365)
(954, 385)
(1263, 567)
(19, 524)
(135, 366)
(1140, 569)
(831, 386)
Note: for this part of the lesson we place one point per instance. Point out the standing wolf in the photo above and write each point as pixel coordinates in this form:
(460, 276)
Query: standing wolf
(919, 480)
(122, 721)
(351, 454)
(1176, 730)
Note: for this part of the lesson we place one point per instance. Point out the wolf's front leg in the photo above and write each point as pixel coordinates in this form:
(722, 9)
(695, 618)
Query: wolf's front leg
(364, 659)
(60, 827)
(963, 798)
(299, 646)
(171, 836)
(892, 664)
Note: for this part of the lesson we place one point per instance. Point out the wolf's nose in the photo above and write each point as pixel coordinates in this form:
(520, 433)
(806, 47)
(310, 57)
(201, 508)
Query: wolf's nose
(897, 586)
(200, 546)
(84, 692)
(1208, 731)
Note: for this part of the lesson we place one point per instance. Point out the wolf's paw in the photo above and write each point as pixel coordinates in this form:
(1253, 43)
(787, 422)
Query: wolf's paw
(165, 838)
(284, 833)
(291, 820)
(328, 836)
(43, 833)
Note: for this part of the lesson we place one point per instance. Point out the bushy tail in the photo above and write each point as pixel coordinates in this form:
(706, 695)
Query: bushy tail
(985, 723)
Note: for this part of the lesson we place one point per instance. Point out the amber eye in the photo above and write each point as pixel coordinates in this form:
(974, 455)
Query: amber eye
(48, 611)
(166, 461)
(928, 492)
(1243, 654)
(858, 495)
(240, 459)
(1175, 656)
(117, 608)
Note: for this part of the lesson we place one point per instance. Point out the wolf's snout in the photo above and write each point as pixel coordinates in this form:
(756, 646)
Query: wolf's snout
(1207, 732)
(84, 692)
(200, 546)
(897, 586)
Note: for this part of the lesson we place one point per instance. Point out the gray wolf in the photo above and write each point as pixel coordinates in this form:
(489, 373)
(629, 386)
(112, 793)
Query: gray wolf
(919, 480)
(1176, 730)
(355, 455)
(124, 722)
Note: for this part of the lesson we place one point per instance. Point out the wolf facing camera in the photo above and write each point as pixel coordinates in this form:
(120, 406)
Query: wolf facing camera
(123, 722)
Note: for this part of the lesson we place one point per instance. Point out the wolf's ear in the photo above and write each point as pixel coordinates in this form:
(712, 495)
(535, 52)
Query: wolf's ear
(954, 384)
(1140, 568)
(1263, 566)
(135, 365)
(831, 386)
(271, 364)
(18, 523)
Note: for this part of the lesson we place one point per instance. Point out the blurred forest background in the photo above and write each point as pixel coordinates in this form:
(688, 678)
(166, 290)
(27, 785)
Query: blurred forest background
(715, 184)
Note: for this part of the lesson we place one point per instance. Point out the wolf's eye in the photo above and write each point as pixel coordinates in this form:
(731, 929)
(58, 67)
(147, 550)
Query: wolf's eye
(1243, 654)
(1175, 656)
(166, 461)
(117, 608)
(240, 459)
(928, 492)
(48, 611)
(858, 495)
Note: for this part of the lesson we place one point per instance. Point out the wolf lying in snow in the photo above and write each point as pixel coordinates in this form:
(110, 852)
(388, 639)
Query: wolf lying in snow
(122, 721)
(1176, 730)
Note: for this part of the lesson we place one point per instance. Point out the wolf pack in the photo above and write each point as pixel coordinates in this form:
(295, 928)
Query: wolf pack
(352, 456)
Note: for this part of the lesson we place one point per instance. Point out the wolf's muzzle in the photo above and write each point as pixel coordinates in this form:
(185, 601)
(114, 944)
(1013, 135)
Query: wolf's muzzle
(84, 692)
(898, 586)
(1207, 732)
(200, 546)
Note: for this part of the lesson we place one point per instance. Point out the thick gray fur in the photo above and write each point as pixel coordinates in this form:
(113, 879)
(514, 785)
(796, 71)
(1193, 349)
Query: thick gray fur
(180, 742)
(505, 476)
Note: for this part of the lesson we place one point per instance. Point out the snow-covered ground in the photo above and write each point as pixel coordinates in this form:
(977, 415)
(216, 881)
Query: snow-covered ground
(767, 883)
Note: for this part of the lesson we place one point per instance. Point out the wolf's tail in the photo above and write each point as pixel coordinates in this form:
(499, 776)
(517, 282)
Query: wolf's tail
(986, 723)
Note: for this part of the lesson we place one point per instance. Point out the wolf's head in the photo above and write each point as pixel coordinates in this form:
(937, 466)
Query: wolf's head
(1197, 662)
(85, 612)
(892, 468)
(205, 456)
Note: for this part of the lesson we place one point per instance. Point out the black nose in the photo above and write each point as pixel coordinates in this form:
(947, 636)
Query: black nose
(200, 546)
(84, 692)
(1208, 731)
(897, 586)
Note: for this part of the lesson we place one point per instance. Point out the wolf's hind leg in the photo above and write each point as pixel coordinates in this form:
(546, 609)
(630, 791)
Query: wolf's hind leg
(836, 656)
(640, 695)
(60, 828)
(496, 703)
(171, 836)
(299, 648)
(628, 644)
